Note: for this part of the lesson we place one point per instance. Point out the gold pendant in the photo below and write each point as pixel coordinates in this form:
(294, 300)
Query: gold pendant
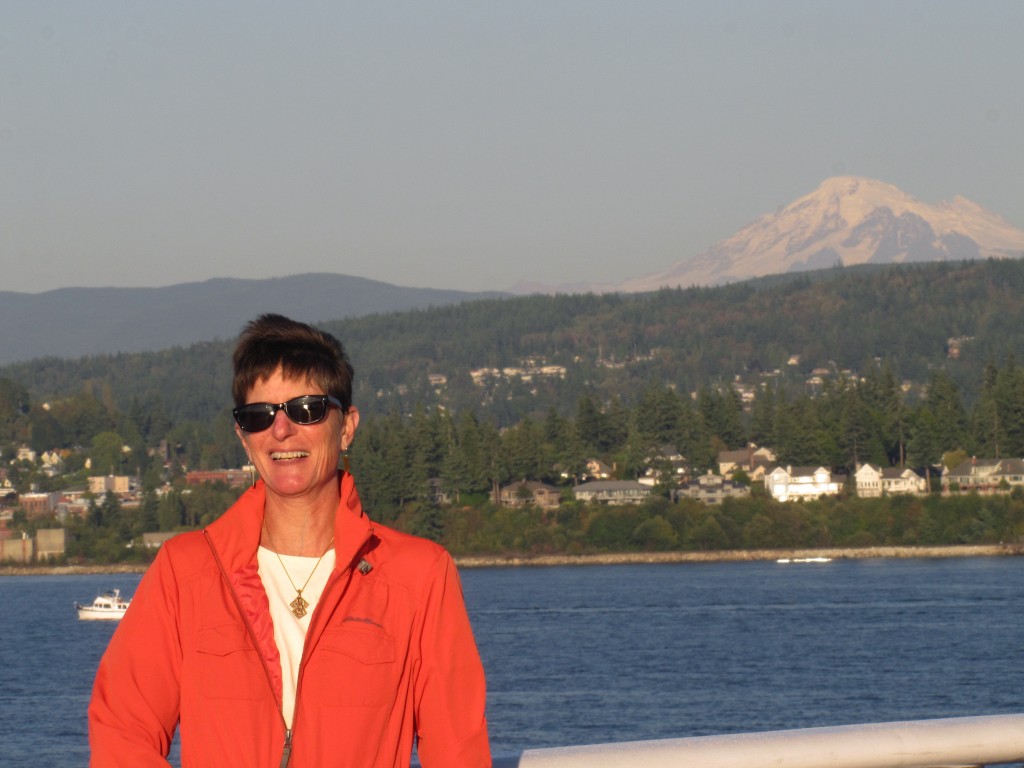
(299, 606)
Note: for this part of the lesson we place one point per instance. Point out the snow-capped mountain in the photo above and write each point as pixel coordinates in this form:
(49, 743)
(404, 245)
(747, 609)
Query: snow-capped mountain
(847, 220)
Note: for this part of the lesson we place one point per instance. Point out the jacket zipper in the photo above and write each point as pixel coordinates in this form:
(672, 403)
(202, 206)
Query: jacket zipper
(286, 752)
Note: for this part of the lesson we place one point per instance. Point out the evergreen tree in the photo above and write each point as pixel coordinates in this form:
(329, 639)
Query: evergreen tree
(658, 417)
(149, 516)
(1009, 396)
(924, 447)
(591, 423)
(170, 511)
(947, 408)
(858, 432)
(987, 425)
(762, 418)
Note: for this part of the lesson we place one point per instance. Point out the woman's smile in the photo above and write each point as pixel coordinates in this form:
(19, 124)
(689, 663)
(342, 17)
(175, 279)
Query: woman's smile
(289, 455)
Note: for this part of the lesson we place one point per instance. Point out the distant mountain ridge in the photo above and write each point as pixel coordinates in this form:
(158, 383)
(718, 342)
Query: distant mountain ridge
(848, 220)
(74, 322)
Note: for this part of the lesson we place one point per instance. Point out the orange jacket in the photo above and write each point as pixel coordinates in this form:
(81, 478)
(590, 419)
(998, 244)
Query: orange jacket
(389, 656)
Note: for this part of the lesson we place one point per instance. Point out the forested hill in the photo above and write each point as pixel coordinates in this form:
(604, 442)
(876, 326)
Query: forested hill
(915, 318)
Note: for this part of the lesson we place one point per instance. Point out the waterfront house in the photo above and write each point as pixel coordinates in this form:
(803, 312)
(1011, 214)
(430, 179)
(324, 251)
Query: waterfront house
(873, 481)
(711, 489)
(984, 476)
(612, 492)
(795, 483)
(530, 492)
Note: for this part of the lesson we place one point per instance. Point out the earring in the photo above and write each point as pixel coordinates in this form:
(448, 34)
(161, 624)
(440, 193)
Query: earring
(345, 445)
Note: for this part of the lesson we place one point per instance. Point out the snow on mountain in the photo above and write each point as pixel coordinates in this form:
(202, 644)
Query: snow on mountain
(847, 220)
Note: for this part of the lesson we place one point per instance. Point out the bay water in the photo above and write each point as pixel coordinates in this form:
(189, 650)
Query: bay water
(592, 654)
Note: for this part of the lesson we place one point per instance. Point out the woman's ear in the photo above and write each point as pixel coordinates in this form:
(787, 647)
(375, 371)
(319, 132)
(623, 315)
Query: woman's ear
(348, 427)
(245, 447)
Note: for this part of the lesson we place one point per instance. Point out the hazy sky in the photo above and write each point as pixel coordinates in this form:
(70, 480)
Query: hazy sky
(471, 145)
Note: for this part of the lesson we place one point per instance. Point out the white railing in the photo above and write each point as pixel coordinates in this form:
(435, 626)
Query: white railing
(959, 741)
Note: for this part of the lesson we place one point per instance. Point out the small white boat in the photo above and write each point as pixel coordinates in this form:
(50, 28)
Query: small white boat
(110, 606)
(804, 560)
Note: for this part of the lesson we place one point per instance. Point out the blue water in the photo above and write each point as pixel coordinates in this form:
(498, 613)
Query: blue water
(580, 655)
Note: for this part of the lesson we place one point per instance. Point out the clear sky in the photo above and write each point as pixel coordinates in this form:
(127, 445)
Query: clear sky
(474, 144)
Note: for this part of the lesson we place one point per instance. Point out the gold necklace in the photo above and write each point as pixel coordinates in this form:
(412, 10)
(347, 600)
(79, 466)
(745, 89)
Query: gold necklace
(299, 604)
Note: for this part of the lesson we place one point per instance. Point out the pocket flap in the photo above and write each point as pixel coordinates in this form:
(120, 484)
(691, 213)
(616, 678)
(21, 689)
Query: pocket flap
(223, 639)
(361, 642)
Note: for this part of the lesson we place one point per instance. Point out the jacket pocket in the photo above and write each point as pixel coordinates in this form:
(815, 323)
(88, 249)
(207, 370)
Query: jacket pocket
(227, 664)
(353, 665)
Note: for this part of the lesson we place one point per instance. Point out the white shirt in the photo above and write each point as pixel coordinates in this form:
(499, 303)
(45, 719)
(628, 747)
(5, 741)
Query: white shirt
(290, 632)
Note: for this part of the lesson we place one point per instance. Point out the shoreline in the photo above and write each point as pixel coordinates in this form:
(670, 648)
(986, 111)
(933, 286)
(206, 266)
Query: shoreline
(615, 558)
(742, 555)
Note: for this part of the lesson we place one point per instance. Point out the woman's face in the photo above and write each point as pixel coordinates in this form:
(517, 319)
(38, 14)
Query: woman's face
(297, 460)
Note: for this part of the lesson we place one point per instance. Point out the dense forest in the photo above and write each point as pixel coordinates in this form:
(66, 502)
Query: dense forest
(613, 346)
(901, 366)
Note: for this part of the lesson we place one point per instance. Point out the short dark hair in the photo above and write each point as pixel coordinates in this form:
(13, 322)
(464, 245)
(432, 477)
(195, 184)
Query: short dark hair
(274, 341)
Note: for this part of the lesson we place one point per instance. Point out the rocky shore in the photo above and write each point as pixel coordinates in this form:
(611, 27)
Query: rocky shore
(990, 550)
(742, 555)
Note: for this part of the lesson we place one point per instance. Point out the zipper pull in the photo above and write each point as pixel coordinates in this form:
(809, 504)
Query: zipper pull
(286, 753)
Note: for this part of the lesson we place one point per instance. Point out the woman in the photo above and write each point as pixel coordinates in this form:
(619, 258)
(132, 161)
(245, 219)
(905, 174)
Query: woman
(293, 630)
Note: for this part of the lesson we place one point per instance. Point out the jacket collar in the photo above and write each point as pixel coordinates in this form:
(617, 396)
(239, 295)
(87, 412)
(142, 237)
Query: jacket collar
(236, 534)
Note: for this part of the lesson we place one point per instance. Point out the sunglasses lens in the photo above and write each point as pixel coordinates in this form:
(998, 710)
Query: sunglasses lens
(254, 418)
(306, 410)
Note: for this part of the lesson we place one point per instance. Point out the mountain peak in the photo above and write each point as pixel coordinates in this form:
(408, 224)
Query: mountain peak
(856, 185)
(846, 220)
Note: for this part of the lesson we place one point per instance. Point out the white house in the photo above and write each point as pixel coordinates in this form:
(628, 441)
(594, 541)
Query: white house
(873, 481)
(795, 483)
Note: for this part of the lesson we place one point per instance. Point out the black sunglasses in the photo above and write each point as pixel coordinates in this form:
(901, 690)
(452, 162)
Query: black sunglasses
(308, 409)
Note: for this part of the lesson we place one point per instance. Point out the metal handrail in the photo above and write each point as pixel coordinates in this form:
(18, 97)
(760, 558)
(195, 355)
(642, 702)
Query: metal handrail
(958, 741)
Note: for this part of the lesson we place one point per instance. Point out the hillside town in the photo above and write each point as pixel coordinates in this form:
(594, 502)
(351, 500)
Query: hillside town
(738, 474)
